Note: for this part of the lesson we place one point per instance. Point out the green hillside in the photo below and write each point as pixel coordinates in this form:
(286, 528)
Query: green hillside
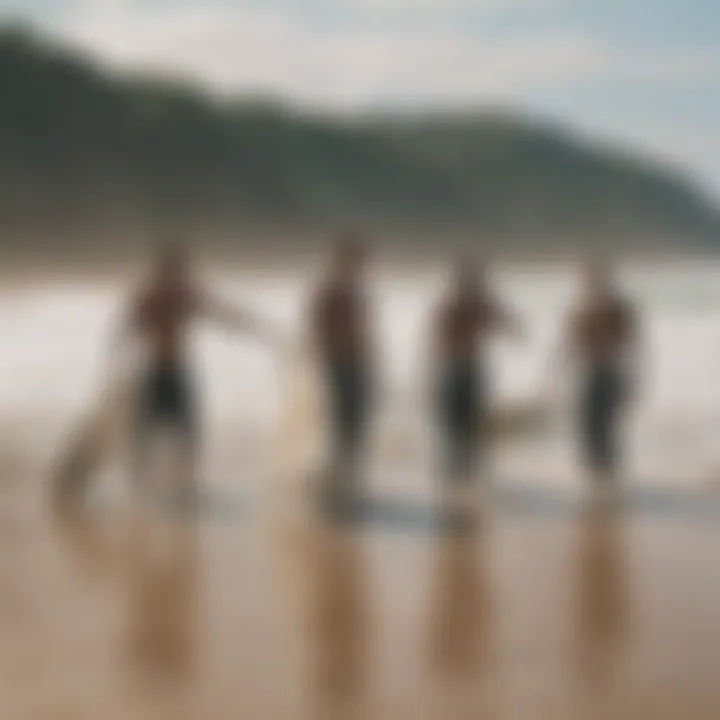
(91, 159)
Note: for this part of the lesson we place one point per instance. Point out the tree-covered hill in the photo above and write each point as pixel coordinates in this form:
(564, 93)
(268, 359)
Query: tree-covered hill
(90, 158)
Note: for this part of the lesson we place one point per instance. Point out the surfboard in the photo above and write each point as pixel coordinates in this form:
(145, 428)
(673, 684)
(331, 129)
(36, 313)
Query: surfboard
(101, 435)
(304, 423)
(518, 420)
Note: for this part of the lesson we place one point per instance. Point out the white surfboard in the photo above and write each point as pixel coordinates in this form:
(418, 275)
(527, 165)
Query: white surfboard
(518, 420)
(303, 443)
(101, 436)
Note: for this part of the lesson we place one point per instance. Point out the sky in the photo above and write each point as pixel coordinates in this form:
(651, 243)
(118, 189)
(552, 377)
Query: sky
(640, 73)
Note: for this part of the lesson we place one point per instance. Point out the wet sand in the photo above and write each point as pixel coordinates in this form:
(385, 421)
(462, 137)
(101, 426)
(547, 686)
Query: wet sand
(547, 612)
(252, 613)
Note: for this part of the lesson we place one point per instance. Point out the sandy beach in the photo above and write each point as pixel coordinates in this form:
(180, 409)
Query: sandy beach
(125, 614)
(248, 611)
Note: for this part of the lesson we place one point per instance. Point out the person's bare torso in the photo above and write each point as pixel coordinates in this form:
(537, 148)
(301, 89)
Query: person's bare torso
(162, 317)
(340, 322)
(463, 324)
(603, 330)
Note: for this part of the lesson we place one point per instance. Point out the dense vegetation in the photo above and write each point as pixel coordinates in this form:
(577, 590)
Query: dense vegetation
(86, 157)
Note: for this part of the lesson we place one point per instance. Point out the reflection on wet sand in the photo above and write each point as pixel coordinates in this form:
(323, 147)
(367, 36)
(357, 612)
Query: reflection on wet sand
(602, 595)
(462, 617)
(129, 617)
(339, 624)
(462, 650)
(162, 584)
(153, 565)
(92, 543)
(328, 558)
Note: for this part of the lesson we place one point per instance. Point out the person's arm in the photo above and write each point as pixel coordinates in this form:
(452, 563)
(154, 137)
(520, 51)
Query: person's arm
(632, 356)
(237, 319)
(565, 350)
(369, 340)
(507, 321)
(435, 350)
(121, 337)
(562, 359)
(316, 320)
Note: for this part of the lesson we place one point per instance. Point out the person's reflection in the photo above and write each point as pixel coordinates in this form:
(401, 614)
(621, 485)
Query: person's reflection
(461, 619)
(602, 594)
(92, 542)
(338, 621)
(153, 566)
(162, 604)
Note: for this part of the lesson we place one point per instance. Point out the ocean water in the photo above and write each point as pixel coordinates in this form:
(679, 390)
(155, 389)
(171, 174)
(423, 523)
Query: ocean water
(54, 338)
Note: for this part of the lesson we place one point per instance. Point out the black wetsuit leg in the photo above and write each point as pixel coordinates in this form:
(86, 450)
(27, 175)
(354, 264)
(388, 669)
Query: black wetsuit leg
(349, 398)
(602, 397)
(166, 400)
(462, 409)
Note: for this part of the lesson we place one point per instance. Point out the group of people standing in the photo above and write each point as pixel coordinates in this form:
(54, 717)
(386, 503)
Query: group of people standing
(601, 335)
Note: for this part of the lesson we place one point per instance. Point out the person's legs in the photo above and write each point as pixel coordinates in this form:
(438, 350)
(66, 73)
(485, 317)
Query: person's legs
(168, 402)
(181, 411)
(601, 404)
(349, 414)
(145, 424)
(461, 416)
(450, 423)
(612, 400)
(591, 426)
(461, 413)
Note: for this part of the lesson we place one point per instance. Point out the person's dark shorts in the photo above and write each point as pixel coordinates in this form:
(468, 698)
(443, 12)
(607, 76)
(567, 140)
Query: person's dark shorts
(462, 410)
(349, 390)
(602, 398)
(167, 400)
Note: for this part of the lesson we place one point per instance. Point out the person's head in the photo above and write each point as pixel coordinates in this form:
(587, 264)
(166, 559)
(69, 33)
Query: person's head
(597, 279)
(172, 265)
(349, 257)
(469, 277)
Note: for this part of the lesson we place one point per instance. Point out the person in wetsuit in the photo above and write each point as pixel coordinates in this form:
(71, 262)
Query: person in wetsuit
(340, 328)
(465, 321)
(603, 337)
(160, 316)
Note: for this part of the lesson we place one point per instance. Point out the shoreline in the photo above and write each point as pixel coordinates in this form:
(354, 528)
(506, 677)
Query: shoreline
(22, 271)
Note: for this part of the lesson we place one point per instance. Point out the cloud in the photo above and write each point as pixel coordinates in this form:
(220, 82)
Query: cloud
(675, 66)
(445, 6)
(366, 6)
(274, 50)
(277, 49)
(365, 55)
(682, 144)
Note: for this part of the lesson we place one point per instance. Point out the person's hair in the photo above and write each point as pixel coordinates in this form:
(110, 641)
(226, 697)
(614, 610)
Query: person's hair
(470, 271)
(349, 245)
(171, 252)
(599, 270)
